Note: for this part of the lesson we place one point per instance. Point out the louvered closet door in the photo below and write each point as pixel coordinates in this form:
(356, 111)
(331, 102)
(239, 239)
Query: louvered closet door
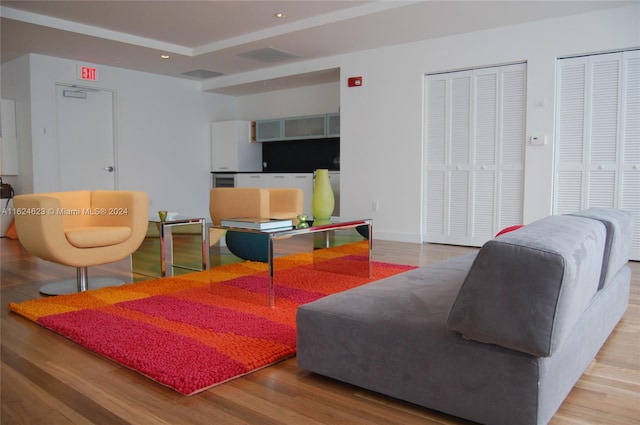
(598, 135)
(474, 153)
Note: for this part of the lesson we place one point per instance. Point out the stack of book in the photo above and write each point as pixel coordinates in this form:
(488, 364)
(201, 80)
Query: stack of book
(257, 223)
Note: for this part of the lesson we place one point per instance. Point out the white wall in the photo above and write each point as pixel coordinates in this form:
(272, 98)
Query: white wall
(162, 132)
(15, 86)
(318, 99)
(381, 132)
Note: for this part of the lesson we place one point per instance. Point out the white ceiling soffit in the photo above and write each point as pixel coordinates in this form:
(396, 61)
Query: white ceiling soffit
(216, 36)
(280, 83)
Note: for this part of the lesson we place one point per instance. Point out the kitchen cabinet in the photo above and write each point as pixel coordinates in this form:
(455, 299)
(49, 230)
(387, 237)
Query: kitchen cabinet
(333, 125)
(8, 138)
(302, 181)
(232, 148)
(250, 180)
(309, 127)
(298, 128)
(269, 130)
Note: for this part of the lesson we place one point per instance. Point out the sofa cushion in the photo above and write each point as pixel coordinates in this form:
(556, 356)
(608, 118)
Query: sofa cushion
(526, 289)
(619, 225)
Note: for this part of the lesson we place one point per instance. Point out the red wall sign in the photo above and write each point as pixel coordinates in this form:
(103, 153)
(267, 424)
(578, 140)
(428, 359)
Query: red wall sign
(87, 73)
(354, 82)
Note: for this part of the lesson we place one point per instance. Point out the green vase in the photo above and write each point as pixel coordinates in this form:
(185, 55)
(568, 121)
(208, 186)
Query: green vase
(322, 202)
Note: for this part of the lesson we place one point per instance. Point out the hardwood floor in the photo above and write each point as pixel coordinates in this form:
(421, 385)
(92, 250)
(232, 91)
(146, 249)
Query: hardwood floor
(47, 379)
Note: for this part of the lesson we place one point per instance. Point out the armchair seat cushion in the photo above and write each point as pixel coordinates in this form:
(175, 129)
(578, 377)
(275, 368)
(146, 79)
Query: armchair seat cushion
(96, 236)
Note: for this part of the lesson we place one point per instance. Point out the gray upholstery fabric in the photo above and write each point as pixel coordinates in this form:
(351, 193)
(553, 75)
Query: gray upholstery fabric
(391, 336)
(619, 225)
(528, 288)
(559, 373)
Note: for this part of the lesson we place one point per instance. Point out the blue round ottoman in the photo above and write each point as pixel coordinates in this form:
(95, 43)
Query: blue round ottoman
(248, 246)
(364, 231)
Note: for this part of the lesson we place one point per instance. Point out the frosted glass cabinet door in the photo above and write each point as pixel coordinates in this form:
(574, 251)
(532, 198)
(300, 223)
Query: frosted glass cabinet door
(309, 127)
(268, 130)
(333, 125)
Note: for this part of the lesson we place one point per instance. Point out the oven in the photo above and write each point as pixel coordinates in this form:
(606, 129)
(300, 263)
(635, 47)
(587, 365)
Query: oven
(223, 180)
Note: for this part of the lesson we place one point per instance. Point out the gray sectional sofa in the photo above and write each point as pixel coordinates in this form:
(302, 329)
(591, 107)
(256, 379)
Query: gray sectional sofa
(497, 337)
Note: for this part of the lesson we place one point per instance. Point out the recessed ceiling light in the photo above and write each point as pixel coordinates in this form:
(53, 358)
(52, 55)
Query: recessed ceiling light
(280, 15)
(164, 56)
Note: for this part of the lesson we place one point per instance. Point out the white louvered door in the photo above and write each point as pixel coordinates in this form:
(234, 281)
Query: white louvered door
(474, 153)
(598, 135)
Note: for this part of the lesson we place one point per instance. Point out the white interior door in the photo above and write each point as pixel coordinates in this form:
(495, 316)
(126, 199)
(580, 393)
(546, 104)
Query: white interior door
(474, 156)
(597, 158)
(86, 145)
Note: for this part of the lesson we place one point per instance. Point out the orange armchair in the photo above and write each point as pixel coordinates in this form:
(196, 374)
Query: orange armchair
(231, 202)
(81, 229)
(285, 203)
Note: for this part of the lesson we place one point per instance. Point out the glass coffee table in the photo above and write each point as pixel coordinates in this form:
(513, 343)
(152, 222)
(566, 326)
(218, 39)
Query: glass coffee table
(166, 242)
(359, 268)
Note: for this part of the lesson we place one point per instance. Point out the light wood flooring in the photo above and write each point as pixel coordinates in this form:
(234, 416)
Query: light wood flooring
(47, 379)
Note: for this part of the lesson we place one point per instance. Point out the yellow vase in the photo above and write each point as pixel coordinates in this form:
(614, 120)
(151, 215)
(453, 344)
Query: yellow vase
(322, 202)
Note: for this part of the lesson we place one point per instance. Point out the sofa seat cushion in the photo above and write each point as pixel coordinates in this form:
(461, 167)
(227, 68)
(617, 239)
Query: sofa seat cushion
(526, 289)
(95, 236)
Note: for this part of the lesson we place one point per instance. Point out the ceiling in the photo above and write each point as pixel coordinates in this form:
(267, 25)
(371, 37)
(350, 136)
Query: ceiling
(244, 40)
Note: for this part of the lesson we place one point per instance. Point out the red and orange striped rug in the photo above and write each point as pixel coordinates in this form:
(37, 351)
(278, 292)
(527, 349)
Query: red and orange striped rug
(195, 331)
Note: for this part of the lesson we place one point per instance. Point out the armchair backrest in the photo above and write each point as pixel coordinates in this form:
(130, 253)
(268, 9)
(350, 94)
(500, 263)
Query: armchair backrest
(120, 208)
(285, 202)
(230, 202)
(71, 206)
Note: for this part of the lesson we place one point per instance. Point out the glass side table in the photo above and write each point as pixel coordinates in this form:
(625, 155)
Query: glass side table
(166, 242)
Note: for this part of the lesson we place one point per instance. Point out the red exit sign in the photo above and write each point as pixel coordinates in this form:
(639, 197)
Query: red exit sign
(87, 73)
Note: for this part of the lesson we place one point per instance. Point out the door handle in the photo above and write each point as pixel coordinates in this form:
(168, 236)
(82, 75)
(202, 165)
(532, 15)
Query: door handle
(109, 168)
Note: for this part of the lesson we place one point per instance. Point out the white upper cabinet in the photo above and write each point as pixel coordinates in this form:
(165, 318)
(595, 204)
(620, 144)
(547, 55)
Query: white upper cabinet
(298, 128)
(333, 125)
(232, 148)
(311, 127)
(269, 130)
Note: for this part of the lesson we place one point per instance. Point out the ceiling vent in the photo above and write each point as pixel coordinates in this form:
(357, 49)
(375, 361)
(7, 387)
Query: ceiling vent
(202, 74)
(269, 55)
